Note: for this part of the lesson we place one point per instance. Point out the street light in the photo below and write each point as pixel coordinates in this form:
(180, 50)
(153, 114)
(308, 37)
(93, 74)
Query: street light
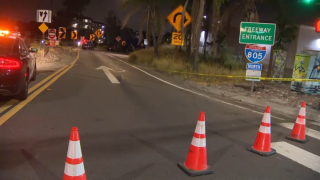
(314, 2)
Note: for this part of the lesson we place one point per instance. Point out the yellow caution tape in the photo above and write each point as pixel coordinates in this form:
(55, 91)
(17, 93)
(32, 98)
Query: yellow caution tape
(240, 77)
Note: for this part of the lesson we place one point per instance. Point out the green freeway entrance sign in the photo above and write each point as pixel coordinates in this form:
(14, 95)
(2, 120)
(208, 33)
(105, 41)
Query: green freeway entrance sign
(257, 33)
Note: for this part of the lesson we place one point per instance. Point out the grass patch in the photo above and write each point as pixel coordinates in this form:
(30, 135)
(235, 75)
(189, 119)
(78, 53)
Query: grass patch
(171, 60)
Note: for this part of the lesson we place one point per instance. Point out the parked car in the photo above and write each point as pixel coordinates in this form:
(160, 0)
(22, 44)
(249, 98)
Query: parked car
(110, 47)
(88, 45)
(17, 65)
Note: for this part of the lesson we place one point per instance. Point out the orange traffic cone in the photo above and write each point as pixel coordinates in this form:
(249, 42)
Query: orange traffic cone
(298, 133)
(196, 163)
(262, 144)
(74, 168)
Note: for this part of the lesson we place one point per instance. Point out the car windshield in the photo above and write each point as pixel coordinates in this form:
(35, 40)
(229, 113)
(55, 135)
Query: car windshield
(5, 45)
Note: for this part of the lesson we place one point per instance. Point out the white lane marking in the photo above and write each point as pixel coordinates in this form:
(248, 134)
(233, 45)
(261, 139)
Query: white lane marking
(190, 90)
(106, 70)
(298, 155)
(309, 132)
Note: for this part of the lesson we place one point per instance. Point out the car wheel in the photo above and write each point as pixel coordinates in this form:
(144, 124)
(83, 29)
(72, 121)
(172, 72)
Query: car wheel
(34, 76)
(23, 94)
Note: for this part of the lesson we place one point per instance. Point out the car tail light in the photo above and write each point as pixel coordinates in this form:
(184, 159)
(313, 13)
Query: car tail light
(9, 63)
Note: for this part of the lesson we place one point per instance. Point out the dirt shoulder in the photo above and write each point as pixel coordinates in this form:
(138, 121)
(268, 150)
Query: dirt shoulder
(275, 94)
(55, 58)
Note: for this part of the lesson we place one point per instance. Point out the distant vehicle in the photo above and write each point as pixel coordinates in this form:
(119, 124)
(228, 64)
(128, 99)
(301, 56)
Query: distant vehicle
(17, 65)
(88, 45)
(110, 47)
(119, 48)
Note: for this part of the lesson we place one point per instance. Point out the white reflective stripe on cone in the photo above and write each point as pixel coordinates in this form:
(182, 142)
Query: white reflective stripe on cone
(266, 118)
(302, 111)
(264, 129)
(74, 150)
(74, 170)
(200, 128)
(301, 121)
(198, 142)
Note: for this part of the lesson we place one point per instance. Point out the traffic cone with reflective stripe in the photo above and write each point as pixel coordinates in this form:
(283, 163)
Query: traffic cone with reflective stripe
(74, 168)
(298, 133)
(262, 144)
(196, 163)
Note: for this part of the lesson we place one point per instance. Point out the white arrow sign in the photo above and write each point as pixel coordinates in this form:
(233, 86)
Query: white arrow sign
(107, 70)
(44, 16)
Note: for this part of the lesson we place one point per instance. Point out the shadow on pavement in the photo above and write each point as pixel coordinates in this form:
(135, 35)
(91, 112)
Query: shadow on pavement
(167, 154)
(134, 174)
(41, 170)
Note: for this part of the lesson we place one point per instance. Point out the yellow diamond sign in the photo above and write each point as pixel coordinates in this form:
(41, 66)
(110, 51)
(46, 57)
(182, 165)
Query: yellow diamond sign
(175, 18)
(43, 27)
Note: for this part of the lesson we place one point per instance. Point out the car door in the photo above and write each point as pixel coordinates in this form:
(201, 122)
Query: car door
(26, 58)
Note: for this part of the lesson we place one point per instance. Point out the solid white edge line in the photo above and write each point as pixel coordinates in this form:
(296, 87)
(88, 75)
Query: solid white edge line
(188, 89)
(298, 155)
(309, 132)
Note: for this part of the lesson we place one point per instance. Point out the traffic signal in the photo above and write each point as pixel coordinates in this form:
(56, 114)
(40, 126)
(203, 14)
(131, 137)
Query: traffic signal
(318, 26)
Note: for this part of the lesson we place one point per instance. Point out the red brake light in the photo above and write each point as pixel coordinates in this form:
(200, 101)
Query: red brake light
(9, 63)
(318, 26)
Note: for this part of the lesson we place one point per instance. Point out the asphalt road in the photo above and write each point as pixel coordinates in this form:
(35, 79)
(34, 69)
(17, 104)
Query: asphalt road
(140, 129)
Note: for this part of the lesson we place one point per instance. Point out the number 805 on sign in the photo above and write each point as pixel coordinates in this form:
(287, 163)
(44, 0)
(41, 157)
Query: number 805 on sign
(255, 53)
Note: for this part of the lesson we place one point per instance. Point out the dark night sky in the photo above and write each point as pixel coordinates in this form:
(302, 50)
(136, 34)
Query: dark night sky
(25, 10)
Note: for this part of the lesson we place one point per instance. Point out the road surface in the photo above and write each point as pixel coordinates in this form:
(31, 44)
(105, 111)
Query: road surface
(138, 127)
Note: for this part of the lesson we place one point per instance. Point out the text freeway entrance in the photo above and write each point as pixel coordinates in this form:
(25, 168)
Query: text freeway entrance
(257, 33)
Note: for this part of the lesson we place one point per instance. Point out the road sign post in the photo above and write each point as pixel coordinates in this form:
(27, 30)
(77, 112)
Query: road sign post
(98, 33)
(253, 70)
(177, 39)
(257, 33)
(43, 28)
(92, 37)
(44, 16)
(255, 53)
(175, 18)
(74, 36)
(62, 32)
(52, 37)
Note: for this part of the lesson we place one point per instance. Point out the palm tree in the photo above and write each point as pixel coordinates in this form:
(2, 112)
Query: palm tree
(216, 22)
(151, 16)
(197, 17)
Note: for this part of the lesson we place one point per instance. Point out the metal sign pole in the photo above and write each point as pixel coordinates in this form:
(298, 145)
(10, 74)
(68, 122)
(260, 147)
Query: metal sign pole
(43, 44)
(252, 86)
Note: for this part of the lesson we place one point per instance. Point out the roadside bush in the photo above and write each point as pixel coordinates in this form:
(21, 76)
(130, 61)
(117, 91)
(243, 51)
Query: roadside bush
(170, 60)
(132, 58)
